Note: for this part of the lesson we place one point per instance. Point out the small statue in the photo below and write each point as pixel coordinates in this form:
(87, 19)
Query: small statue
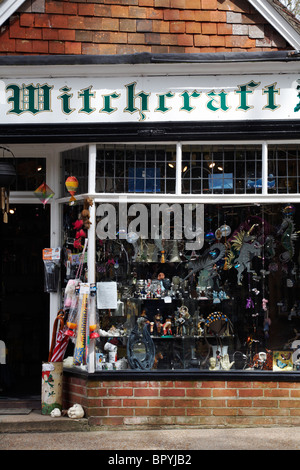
(179, 322)
(225, 363)
(183, 321)
(158, 323)
(200, 326)
(212, 363)
(76, 411)
(158, 357)
(167, 327)
(55, 413)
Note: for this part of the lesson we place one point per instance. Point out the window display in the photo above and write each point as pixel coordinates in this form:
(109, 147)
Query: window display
(230, 303)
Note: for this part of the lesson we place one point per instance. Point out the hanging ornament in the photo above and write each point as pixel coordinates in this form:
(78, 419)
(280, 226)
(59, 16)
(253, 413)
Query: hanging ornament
(4, 198)
(72, 185)
(225, 230)
(289, 210)
(44, 193)
(209, 236)
(218, 234)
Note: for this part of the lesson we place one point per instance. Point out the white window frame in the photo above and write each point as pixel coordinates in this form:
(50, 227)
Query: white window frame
(177, 197)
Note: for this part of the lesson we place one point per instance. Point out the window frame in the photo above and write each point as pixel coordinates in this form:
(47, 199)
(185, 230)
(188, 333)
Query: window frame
(256, 198)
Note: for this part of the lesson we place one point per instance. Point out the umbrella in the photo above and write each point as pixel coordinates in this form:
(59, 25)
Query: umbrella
(59, 341)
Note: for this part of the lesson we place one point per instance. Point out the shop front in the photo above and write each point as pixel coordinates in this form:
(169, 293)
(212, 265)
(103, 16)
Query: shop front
(173, 190)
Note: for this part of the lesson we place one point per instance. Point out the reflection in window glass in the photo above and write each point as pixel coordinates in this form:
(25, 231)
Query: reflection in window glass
(221, 170)
(283, 168)
(31, 173)
(75, 163)
(135, 169)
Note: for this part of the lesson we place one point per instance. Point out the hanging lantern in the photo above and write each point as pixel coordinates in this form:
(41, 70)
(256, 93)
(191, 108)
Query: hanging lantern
(72, 185)
(7, 177)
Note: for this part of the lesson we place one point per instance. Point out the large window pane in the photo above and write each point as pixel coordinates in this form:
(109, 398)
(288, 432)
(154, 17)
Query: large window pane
(283, 168)
(221, 170)
(75, 163)
(135, 169)
(233, 304)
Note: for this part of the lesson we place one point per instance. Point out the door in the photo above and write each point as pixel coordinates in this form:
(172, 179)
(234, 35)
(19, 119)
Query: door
(24, 307)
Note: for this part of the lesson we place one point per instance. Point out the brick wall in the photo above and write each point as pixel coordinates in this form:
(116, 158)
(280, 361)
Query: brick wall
(185, 403)
(131, 26)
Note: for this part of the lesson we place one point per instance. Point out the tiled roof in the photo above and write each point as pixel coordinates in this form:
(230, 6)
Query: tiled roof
(133, 26)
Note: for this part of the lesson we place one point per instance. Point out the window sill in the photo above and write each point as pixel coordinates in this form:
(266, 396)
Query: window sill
(191, 374)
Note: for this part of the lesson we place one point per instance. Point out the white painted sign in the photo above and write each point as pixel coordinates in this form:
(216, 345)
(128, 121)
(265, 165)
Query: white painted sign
(150, 99)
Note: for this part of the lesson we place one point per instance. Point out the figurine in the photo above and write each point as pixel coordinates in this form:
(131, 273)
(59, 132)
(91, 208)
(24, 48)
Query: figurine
(225, 363)
(212, 363)
(167, 327)
(188, 324)
(158, 323)
(55, 413)
(76, 411)
(216, 299)
(183, 321)
(144, 315)
(158, 357)
(179, 322)
(200, 329)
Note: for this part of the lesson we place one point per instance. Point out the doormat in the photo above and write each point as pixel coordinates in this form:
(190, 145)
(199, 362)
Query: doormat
(15, 411)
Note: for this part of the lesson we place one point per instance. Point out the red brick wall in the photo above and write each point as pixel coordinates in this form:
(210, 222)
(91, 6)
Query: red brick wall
(131, 26)
(187, 403)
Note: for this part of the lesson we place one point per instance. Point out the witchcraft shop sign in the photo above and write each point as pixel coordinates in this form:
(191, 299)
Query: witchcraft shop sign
(152, 221)
(149, 98)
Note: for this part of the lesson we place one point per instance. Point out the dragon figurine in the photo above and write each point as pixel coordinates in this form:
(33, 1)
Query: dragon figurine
(288, 236)
(205, 265)
(243, 248)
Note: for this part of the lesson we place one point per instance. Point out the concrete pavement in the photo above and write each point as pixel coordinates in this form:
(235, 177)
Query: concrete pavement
(41, 432)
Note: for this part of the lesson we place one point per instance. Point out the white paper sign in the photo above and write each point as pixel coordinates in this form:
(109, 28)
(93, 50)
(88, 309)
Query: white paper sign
(107, 295)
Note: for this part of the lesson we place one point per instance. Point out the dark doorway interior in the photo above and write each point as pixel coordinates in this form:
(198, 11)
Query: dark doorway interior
(24, 307)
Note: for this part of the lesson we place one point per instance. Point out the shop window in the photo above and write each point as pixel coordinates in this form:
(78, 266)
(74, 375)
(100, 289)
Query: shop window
(231, 303)
(221, 170)
(75, 163)
(30, 174)
(283, 169)
(135, 169)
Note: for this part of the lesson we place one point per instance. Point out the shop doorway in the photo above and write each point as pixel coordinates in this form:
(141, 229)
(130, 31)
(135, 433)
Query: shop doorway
(24, 306)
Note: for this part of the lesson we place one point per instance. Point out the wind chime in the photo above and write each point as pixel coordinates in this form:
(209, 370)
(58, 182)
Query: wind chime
(7, 177)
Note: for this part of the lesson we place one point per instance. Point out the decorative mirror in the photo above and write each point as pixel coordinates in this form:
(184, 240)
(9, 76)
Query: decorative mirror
(140, 348)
